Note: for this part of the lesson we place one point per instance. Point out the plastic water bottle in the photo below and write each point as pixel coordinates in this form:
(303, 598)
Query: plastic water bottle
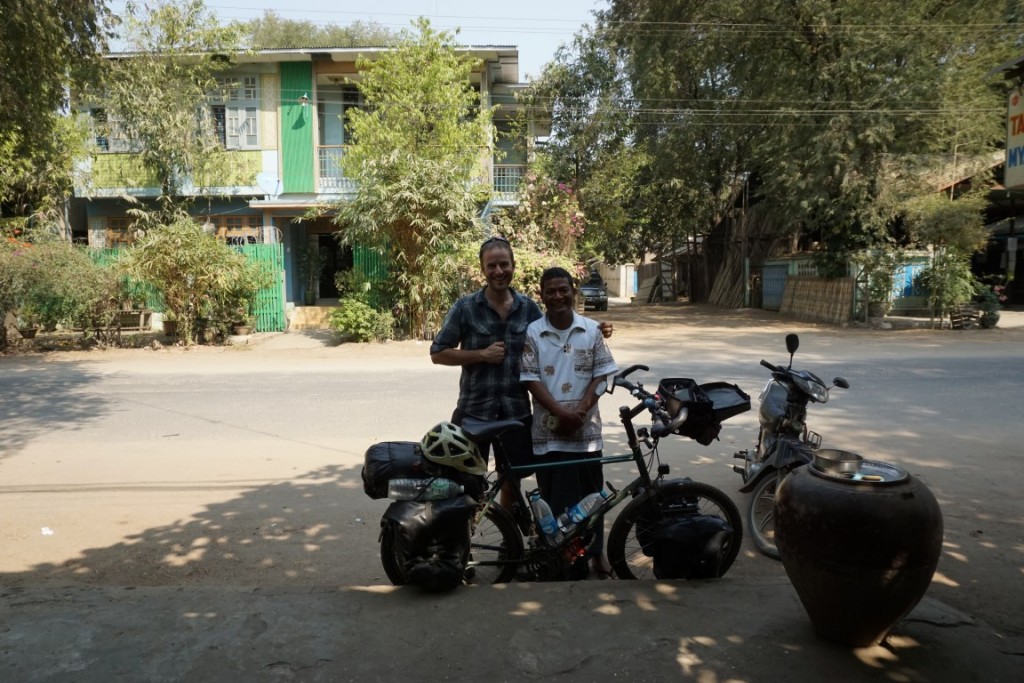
(545, 518)
(437, 488)
(583, 509)
(565, 523)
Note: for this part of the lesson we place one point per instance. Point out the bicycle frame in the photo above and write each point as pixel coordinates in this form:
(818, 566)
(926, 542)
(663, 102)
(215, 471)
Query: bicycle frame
(522, 513)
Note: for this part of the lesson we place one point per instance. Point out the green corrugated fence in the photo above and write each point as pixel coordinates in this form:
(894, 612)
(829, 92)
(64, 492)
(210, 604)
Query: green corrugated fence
(269, 308)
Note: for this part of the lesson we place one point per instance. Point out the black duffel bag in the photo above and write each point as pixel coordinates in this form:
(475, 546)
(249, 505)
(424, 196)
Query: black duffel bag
(396, 459)
(390, 460)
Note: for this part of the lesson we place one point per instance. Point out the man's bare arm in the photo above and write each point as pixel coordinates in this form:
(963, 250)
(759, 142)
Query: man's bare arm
(493, 354)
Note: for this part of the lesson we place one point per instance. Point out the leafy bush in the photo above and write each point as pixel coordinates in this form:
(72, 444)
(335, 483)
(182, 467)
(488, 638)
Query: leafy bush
(51, 282)
(196, 275)
(357, 321)
(948, 279)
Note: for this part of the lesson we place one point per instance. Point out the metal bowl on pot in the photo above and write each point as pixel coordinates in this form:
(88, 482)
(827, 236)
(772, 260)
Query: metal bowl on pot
(837, 462)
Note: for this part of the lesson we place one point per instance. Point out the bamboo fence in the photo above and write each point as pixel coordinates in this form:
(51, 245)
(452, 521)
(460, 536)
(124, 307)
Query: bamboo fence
(818, 299)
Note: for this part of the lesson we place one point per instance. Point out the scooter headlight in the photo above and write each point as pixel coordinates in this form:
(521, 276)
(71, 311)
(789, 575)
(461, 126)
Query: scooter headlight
(812, 386)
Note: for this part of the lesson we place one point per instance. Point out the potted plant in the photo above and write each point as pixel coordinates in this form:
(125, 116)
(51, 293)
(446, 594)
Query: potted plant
(242, 322)
(990, 302)
(27, 322)
(170, 323)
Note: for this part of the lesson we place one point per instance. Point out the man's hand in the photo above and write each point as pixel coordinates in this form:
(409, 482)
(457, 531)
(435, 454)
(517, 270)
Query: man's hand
(606, 328)
(493, 354)
(568, 423)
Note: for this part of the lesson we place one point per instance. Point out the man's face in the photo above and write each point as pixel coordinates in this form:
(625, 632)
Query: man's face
(498, 267)
(558, 294)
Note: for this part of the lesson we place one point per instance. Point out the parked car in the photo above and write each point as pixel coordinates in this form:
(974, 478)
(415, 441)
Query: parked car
(595, 292)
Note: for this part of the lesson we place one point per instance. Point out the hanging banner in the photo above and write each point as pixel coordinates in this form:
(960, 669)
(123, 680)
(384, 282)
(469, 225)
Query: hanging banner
(1014, 176)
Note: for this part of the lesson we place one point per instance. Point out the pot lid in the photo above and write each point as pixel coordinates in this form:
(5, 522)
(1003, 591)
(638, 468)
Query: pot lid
(864, 472)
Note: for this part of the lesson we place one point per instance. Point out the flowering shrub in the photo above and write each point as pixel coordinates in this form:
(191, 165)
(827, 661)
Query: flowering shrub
(991, 299)
(548, 216)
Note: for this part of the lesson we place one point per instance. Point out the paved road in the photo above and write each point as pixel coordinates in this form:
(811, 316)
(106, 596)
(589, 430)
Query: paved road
(240, 466)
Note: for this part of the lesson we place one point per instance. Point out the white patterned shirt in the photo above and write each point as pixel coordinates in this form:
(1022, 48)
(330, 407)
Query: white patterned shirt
(566, 361)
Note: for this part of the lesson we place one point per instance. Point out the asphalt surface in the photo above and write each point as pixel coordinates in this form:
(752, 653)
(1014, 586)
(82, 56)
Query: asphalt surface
(709, 631)
(739, 628)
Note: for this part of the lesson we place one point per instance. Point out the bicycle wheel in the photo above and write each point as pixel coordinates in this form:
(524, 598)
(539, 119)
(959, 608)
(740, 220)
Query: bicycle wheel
(632, 558)
(761, 515)
(495, 549)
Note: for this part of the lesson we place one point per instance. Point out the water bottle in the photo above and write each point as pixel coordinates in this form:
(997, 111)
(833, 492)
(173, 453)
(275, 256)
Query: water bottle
(565, 523)
(437, 488)
(545, 518)
(581, 510)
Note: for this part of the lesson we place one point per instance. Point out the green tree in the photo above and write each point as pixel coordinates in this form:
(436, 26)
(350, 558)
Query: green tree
(155, 92)
(196, 275)
(416, 161)
(273, 31)
(833, 112)
(45, 49)
(637, 121)
(955, 230)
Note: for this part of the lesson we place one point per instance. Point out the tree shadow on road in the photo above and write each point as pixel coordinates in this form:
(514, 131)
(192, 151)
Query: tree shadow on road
(311, 530)
(37, 398)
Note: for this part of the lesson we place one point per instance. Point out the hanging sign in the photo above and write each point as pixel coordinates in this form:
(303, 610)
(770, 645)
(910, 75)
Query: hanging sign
(1014, 176)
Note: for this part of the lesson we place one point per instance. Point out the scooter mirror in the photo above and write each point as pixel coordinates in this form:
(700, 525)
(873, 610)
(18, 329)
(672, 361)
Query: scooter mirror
(841, 383)
(792, 343)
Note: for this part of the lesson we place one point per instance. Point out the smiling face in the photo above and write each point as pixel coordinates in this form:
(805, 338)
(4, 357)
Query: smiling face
(558, 295)
(498, 266)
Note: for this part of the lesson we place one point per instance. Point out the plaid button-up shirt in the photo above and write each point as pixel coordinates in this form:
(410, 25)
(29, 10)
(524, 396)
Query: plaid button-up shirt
(488, 391)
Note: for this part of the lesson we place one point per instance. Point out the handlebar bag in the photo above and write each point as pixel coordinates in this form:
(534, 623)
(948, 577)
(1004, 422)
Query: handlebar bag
(433, 539)
(682, 392)
(726, 399)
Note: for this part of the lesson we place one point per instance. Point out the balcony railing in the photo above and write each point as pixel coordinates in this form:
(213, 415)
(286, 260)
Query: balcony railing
(507, 178)
(332, 178)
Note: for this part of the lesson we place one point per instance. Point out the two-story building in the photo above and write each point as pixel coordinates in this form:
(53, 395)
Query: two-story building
(281, 115)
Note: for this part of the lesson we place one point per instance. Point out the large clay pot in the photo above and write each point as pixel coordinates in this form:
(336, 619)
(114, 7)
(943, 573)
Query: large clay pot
(860, 540)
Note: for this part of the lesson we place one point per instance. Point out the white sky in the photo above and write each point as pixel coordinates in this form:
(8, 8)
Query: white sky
(536, 27)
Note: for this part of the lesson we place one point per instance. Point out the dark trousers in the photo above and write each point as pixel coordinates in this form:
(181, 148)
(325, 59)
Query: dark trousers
(564, 486)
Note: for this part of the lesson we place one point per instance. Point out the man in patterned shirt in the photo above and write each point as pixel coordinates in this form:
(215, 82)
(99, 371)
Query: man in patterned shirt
(565, 367)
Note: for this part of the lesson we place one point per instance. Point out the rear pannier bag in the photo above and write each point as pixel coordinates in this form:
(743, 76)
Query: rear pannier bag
(690, 546)
(432, 539)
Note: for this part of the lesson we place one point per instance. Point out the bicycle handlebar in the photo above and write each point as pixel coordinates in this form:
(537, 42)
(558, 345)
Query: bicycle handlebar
(665, 424)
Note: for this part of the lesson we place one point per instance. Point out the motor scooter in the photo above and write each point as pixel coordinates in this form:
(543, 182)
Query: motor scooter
(784, 442)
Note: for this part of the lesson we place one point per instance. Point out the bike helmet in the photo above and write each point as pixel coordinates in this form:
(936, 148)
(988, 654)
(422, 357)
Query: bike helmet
(446, 444)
